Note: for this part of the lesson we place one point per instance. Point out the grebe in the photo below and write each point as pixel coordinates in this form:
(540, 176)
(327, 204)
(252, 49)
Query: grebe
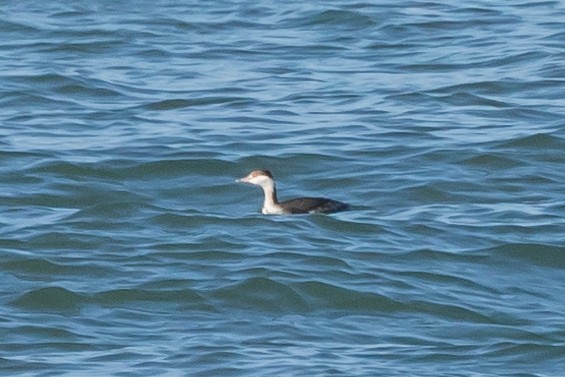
(271, 206)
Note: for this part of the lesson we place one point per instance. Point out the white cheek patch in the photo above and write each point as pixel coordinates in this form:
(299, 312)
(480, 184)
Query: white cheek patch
(258, 180)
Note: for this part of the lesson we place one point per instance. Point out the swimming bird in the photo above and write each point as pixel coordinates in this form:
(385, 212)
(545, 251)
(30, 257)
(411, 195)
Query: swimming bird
(271, 206)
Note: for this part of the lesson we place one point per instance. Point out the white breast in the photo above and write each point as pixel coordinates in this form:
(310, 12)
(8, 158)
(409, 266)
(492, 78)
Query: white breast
(273, 210)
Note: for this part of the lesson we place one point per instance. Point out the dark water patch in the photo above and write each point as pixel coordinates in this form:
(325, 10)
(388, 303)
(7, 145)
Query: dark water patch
(69, 85)
(20, 160)
(155, 53)
(46, 270)
(503, 88)
(443, 280)
(492, 161)
(70, 14)
(445, 29)
(427, 193)
(537, 254)
(539, 141)
(466, 99)
(326, 296)
(44, 80)
(341, 18)
(541, 179)
(513, 60)
(145, 297)
(69, 169)
(386, 45)
(475, 9)
(552, 71)
(415, 98)
(538, 4)
(432, 27)
(524, 115)
(112, 209)
(451, 311)
(50, 299)
(453, 98)
(556, 36)
(80, 48)
(173, 104)
(10, 245)
(524, 353)
(49, 240)
(28, 100)
(18, 28)
(319, 262)
(443, 256)
(241, 121)
(88, 91)
(202, 252)
(12, 365)
(53, 334)
(262, 294)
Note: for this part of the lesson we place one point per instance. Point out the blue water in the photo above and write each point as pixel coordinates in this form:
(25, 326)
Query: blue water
(126, 248)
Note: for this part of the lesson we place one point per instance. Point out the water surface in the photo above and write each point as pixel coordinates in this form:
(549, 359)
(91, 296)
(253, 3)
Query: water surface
(127, 249)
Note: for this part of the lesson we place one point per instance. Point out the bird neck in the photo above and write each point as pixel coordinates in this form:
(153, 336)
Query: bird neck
(270, 191)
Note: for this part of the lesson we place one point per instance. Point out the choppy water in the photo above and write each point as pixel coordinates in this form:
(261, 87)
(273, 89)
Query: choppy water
(127, 250)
